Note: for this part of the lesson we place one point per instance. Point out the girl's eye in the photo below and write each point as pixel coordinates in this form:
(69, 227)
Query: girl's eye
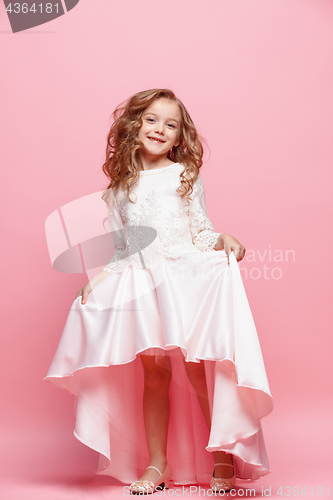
(150, 119)
(171, 125)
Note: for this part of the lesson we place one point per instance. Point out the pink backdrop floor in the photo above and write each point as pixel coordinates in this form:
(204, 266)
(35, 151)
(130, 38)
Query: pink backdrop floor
(40, 463)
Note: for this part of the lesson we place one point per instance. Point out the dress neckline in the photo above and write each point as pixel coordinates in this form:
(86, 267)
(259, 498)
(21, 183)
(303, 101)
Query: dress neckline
(157, 170)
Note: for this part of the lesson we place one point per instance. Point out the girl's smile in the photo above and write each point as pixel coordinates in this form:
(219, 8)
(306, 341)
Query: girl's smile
(155, 139)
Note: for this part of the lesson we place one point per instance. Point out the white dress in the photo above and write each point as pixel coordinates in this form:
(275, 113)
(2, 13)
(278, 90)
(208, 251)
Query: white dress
(170, 295)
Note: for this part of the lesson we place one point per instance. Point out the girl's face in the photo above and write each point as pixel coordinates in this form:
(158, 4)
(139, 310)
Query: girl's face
(160, 128)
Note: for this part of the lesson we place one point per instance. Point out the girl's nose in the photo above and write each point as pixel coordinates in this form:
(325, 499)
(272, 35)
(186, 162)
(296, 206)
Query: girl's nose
(159, 129)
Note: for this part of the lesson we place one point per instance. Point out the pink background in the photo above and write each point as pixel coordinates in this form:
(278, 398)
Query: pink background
(257, 79)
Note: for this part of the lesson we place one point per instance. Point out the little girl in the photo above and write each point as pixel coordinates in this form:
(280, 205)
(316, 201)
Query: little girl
(171, 323)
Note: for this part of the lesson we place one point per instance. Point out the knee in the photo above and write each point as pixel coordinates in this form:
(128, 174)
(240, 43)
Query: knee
(157, 378)
(196, 374)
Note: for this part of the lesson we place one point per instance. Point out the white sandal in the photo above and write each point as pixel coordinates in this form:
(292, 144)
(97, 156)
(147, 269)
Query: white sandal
(218, 484)
(147, 487)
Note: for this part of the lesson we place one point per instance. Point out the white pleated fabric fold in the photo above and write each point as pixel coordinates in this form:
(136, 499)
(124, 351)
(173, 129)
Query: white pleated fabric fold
(190, 308)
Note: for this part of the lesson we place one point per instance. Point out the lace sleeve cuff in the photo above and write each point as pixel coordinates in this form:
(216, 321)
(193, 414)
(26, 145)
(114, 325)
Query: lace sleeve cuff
(206, 240)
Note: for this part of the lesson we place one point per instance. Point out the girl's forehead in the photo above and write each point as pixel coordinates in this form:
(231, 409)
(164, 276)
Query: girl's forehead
(164, 106)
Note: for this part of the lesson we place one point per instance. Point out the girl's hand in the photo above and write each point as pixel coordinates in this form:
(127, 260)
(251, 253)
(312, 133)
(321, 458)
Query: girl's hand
(230, 244)
(88, 288)
(84, 292)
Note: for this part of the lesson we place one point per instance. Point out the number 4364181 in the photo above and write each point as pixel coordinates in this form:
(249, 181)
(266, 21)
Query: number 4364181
(23, 8)
(295, 491)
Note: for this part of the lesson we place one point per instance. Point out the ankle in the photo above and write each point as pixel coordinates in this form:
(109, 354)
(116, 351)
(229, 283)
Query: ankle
(159, 462)
(223, 457)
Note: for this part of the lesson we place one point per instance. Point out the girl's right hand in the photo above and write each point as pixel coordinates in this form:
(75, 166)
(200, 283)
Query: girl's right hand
(84, 292)
(88, 288)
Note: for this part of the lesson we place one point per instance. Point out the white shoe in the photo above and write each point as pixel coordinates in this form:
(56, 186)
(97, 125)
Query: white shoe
(218, 484)
(147, 487)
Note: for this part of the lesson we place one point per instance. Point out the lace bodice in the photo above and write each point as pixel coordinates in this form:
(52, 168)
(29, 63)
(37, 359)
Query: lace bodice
(158, 223)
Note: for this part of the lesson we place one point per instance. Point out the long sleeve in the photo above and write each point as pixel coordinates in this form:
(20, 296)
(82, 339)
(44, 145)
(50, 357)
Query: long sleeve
(115, 227)
(203, 235)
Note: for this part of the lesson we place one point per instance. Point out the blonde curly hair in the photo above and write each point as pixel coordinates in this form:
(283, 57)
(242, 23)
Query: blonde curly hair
(122, 164)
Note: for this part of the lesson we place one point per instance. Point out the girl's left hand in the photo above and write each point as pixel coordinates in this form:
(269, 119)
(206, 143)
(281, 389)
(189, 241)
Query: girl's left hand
(230, 244)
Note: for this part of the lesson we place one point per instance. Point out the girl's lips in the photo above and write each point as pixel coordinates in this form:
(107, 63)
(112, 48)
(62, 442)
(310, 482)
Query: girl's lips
(155, 139)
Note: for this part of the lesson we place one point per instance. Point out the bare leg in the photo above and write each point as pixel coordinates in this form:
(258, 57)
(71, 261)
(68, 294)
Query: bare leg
(156, 412)
(197, 377)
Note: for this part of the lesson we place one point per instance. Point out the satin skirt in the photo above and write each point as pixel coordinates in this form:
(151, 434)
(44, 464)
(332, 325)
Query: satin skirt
(181, 310)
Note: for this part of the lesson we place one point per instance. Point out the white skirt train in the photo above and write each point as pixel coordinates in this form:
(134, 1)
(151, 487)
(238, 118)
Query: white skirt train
(186, 309)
